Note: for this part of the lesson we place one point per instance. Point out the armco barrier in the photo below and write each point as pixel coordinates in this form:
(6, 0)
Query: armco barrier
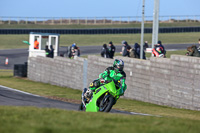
(100, 31)
(173, 82)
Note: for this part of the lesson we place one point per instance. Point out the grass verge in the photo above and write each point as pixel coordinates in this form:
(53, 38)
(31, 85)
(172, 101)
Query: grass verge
(15, 41)
(37, 120)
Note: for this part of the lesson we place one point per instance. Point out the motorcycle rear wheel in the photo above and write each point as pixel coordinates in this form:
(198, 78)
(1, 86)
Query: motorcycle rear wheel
(106, 106)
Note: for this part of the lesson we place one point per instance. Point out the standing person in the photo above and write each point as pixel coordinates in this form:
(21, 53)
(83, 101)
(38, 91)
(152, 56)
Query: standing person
(36, 44)
(79, 52)
(47, 51)
(72, 53)
(111, 50)
(137, 50)
(77, 49)
(71, 50)
(105, 51)
(145, 45)
(198, 48)
(51, 52)
(125, 49)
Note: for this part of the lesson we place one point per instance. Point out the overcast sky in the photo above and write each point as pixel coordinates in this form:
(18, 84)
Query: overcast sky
(95, 8)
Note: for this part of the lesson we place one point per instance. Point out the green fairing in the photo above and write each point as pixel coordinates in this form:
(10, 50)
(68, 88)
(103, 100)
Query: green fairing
(111, 76)
(109, 87)
(117, 76)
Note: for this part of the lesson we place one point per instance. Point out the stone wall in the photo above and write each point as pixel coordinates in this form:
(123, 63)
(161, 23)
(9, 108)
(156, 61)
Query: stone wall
(173, 82)
(58, 71)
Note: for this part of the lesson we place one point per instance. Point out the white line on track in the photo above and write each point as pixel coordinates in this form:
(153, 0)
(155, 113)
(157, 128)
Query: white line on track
(134, 113)
(18, 91)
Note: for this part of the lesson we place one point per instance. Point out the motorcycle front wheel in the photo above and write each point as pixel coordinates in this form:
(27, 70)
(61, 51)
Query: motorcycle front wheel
(81, 107)
(106, 104)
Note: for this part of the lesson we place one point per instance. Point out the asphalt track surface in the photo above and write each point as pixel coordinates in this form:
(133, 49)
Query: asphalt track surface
(19, 56)
(13, 97)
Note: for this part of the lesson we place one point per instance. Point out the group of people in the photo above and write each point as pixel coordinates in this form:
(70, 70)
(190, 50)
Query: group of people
(49, 52)
(127, 50)
(73, 51)
(157, 51)
(134, 52)
(108, 52)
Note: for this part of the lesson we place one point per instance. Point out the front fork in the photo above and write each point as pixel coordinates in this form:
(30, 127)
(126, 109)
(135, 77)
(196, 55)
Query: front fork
(83, 97)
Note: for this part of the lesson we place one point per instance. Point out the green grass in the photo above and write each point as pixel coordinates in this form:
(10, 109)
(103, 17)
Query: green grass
(45, 120)
(80, 26)
(37, 120)
(15, 41)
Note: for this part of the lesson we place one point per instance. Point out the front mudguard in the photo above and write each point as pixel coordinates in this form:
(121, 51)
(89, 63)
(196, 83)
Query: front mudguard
(92, 105)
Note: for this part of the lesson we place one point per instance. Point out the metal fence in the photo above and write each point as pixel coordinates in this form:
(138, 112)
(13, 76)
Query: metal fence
(95, 20)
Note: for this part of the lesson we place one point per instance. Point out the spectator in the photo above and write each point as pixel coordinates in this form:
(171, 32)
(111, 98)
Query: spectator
(51, 52)
(105, 51)
(73, 51)
(111, 50)
(78, 52)
(159, 44)
(74, 45)
(76, 49)
(125, 49)
(192, 51)
(133, 53)
(122, 48)
(137, 51)
(145, 45)
(47, 50)
(199, 46)
(36, 44)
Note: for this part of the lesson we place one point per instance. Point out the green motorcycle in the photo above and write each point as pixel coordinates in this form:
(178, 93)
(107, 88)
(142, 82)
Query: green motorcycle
(103, 98)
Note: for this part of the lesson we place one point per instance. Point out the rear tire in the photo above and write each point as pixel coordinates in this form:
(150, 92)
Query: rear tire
(107, 105)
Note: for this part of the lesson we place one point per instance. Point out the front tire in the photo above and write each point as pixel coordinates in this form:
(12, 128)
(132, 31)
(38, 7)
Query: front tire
(81, 107)
(106, 105)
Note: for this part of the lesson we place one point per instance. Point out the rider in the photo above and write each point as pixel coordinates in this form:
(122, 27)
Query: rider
(115, 73)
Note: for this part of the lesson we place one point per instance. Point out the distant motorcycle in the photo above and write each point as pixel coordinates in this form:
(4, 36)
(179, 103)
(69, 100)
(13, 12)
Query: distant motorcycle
(102, 99)
(158, 52)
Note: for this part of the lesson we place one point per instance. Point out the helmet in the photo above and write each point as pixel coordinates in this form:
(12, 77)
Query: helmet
(118, 64)
(74, 44)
